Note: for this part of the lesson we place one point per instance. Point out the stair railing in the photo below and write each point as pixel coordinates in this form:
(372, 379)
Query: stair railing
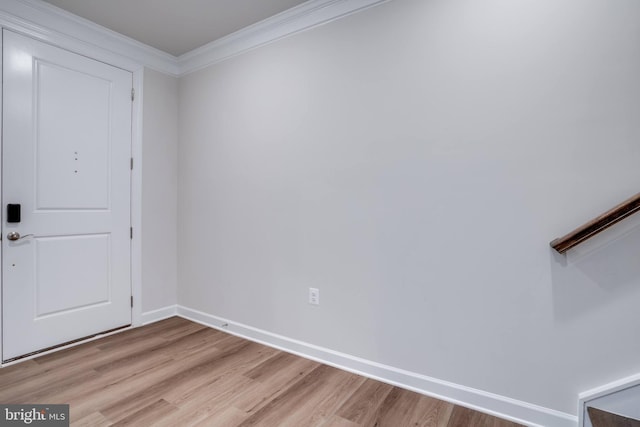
(597, 225)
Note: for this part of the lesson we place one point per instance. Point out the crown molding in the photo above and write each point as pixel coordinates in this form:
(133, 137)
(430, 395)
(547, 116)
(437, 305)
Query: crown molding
(51, 24)
(308, 15)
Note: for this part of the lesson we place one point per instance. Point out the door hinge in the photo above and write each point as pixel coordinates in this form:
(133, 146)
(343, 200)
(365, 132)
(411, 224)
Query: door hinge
(133, 94)
(132, 301)
(132, 163)
(131, 232)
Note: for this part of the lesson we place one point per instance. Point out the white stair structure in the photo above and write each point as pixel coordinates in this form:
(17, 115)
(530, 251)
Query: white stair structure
(621, 398)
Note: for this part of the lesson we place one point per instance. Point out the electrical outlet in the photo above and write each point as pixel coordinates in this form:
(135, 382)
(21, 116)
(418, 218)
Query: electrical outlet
(314, 296)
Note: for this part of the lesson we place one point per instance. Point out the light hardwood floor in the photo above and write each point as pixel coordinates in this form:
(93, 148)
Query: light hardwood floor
(179, 373)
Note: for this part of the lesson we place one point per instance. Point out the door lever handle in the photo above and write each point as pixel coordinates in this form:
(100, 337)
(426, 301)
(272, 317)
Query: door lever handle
(14, 235)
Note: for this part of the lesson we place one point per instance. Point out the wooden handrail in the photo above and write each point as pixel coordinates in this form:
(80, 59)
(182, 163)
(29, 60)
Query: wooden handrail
(595, 226)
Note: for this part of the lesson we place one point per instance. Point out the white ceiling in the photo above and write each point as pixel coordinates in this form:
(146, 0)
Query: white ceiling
(175, 26)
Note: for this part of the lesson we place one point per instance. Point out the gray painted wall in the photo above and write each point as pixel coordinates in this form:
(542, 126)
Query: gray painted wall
(412, 162)
(159, 191)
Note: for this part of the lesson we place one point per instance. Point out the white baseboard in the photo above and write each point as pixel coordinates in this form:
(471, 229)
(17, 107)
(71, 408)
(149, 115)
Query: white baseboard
(500, 406)
(159, 314)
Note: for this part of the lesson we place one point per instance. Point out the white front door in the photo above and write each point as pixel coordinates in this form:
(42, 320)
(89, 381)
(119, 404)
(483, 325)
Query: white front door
(66, 152)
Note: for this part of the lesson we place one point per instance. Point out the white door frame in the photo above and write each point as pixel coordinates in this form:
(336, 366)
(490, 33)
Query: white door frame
(60, 40)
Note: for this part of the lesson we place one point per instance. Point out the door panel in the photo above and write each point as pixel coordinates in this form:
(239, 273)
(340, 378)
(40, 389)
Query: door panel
(72, 161)
(87, 256)
(66, 150)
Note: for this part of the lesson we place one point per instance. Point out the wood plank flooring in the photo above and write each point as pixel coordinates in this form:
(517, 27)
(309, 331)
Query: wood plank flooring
(179, 373)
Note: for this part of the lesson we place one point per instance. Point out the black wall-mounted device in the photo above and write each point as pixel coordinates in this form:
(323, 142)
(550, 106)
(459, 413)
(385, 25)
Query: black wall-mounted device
(13, 213)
